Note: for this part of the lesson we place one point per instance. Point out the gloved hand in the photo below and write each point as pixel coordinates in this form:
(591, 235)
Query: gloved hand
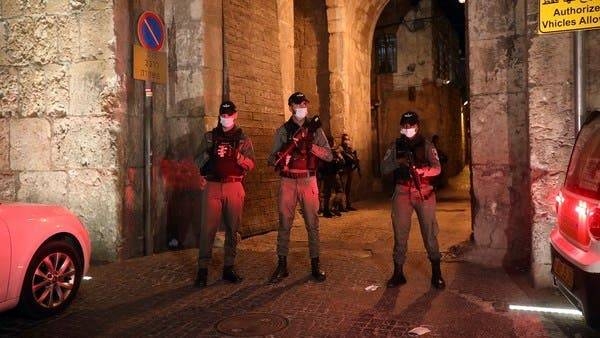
(202, 182)
(225, 150)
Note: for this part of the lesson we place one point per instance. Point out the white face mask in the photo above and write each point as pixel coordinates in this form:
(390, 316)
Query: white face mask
(226, 122)
(300, 113)
(410, 133)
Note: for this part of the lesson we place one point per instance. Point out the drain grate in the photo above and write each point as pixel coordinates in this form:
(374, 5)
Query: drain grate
(252, 324)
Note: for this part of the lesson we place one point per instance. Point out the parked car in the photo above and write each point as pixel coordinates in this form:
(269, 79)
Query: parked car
(575, 240)
(44, 253)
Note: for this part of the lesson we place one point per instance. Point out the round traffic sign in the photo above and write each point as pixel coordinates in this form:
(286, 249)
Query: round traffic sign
(151, 31)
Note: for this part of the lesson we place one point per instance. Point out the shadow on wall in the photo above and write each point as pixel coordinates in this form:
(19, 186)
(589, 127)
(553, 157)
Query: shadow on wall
(183, 196)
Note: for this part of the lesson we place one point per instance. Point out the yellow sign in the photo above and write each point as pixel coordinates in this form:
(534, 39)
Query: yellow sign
(149, 65)
(568, 15)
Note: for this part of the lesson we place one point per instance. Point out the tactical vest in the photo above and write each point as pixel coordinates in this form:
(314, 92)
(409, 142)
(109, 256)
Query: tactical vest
(417, 147)
(302, 159)
(222, 162)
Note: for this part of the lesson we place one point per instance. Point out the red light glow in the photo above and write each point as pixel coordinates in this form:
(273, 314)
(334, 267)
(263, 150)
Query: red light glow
(581, 209)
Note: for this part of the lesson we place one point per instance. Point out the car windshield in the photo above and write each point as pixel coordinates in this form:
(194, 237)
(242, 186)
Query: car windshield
(583, 175)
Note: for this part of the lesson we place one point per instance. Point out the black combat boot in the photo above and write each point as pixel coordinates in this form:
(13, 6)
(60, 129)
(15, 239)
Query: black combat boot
(397, 278)
(316, 272)
(436, 275)
(327, 213)
(281, 270)
(230, 275)
(201, 278)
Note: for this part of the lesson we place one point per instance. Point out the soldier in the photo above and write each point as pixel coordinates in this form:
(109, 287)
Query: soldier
(226, 155)
(297, 145)
(332, 185)
(414, 161)
(351, 163)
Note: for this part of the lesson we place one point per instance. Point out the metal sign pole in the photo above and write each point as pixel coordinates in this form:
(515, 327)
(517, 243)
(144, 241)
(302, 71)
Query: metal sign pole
(579, 58)
(148, 235)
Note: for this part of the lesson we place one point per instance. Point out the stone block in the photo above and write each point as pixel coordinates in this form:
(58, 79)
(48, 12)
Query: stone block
(16, 8)
(494, 19)
(309, 57)
(492, 210)
(189, 85)
(3, 47)
(551, 126)
(81, 142)
(489, 126)
(8, 186)
(92, 5)
(211, 54)
(89, 84)
(94, 196)
(68, 45)
(497, 66)
(550, 54)
(60, 6)
(32, 40)
(44, 91)
(98, 28)
(4, 145)
(43, 187)
(9, 91)
(30, 144)
(189, 40)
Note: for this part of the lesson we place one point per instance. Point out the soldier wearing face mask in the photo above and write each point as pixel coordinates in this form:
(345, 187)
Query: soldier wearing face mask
(226, 155)
(414, 162)
(298, 184)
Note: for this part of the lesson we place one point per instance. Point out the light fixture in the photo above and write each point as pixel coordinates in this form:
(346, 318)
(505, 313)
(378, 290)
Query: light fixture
(573, 312)
(87, 277)
(466, 103)
(461, 1)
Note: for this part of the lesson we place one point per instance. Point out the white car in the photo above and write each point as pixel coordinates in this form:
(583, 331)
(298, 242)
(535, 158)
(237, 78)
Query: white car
(44, 254)
(575, 240)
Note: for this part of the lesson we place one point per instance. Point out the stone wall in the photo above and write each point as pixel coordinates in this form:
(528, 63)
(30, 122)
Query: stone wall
(255, 85)
(59, 124)
(194, 92)
(311, 56)
(500, 154)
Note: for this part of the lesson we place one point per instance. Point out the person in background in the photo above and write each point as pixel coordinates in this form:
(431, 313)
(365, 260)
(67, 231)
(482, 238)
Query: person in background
(351, 164)
(438, 182)
(332, 185)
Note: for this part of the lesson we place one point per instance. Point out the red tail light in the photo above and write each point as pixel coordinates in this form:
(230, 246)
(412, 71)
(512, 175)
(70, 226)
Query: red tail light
(594, 224)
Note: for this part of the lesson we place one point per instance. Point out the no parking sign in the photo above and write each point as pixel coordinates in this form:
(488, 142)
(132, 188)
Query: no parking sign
(149, 63)
(151, 31)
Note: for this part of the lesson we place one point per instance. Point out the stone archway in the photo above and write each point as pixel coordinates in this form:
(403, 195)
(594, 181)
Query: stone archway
(350, 26)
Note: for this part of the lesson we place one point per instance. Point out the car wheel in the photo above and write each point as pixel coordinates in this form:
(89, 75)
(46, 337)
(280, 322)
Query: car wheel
(52, 279)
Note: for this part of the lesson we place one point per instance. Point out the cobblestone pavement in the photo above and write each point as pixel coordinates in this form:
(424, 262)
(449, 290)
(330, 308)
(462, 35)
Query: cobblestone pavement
(152, 296)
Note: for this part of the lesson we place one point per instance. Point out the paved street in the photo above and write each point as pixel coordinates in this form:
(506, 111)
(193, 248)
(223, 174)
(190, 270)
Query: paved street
(152, 296)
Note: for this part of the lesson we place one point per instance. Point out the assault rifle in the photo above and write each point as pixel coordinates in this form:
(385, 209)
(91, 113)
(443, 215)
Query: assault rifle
(300, 135)
(402, 151)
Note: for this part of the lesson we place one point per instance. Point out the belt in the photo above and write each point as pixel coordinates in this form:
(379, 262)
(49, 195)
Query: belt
(297, 175)
(228, 179)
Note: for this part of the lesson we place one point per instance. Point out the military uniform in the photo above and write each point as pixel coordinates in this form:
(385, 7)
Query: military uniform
(332, 184)
(409, 196)
(351, 163)
(298, 185)
(224, 159)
